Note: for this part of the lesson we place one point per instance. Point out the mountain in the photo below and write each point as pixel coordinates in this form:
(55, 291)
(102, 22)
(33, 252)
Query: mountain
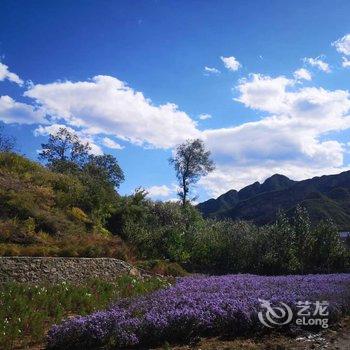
(325, 197)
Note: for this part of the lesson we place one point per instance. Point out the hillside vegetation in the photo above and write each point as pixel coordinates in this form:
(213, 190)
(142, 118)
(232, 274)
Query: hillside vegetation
(70, 207)
(325, 197)
(47, 213)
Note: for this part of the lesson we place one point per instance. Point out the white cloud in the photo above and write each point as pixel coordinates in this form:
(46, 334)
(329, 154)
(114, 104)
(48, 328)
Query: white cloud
(211, 70)
(343, 44)
(204, 116)
(262, 92)
(315, 107)
(302, 74)
(12, 111)
(51, 129)
(231, 63)
(318, 63)
(177, 200)
(289, 140)
(54, 128)
(159, 191)
(94, 147)
(231, 177)
(106, 105)
(255, 151)
(111, 143)
(6, 74)
(346, 62)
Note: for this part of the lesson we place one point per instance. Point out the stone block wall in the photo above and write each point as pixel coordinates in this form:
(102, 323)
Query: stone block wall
(53, 270)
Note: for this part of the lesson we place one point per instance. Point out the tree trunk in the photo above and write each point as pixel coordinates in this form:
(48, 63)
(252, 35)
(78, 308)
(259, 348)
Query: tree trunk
(184, 188)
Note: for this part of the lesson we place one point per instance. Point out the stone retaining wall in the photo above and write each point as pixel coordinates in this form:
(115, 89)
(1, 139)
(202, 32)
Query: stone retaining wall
(52, 269)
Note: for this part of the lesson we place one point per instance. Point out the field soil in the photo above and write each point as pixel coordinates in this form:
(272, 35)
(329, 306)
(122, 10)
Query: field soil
(337, 337)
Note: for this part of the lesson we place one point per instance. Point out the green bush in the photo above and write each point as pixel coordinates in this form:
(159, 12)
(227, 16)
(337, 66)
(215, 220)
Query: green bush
(158, 230)
(283, 247)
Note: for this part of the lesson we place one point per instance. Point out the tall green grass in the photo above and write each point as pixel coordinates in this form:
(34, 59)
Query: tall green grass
(28, 311)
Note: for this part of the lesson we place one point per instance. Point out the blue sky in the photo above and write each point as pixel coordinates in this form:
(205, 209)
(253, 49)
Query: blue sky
(263, 83)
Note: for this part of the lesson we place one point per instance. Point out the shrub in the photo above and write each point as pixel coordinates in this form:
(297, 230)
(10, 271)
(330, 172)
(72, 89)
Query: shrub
(79, 214)
(162, 267)
(283, 247)
(158, 230)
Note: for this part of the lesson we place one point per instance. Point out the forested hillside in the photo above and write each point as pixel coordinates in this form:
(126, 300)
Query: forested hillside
(325, 197)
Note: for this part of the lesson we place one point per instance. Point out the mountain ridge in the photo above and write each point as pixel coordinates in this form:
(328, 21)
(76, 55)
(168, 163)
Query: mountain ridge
(325, 197)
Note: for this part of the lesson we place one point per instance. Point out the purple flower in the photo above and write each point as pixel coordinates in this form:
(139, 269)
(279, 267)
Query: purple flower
(197, 307)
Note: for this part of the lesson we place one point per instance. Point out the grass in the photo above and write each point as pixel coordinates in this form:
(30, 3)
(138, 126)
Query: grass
(28, 311)
(84, 245)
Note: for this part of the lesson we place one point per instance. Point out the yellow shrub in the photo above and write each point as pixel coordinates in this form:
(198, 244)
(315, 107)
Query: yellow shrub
(79, 214)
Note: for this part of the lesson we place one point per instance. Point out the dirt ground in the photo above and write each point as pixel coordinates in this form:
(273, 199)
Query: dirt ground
(336, 337)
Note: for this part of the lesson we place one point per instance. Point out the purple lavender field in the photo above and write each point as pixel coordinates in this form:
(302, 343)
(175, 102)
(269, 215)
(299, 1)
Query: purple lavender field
(198, 306)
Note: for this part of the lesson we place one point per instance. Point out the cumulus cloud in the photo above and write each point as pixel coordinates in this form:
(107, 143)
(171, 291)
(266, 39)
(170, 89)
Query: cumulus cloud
(342, 45)
(205, 116)
(263, 92)
(107, 105)
(346, 62)
(231, 63)
(159, 191)
(111, 143)
(54, 128)
(225, 178)
(5, 74)
(51, 129)
(279, 96)
(302, 74)
(289, 140)
(292, 136)
(12, 111)
(211, 70)
(318, 63)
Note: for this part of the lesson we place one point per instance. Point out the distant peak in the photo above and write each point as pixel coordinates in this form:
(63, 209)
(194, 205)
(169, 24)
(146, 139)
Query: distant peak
(277, 177)
(276, 182)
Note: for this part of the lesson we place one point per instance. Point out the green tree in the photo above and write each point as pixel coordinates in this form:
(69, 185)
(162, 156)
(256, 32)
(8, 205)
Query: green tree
(100, 175)
(64, 151)
(191, 161)
(303, 238)
(106, 168)
(327, 253)
(278, 253)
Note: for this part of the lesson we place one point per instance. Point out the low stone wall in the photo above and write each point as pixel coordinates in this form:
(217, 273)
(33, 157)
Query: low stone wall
(53, 270)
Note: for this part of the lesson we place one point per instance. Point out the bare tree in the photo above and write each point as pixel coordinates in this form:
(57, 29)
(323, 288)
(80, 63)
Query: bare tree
(191, 161)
